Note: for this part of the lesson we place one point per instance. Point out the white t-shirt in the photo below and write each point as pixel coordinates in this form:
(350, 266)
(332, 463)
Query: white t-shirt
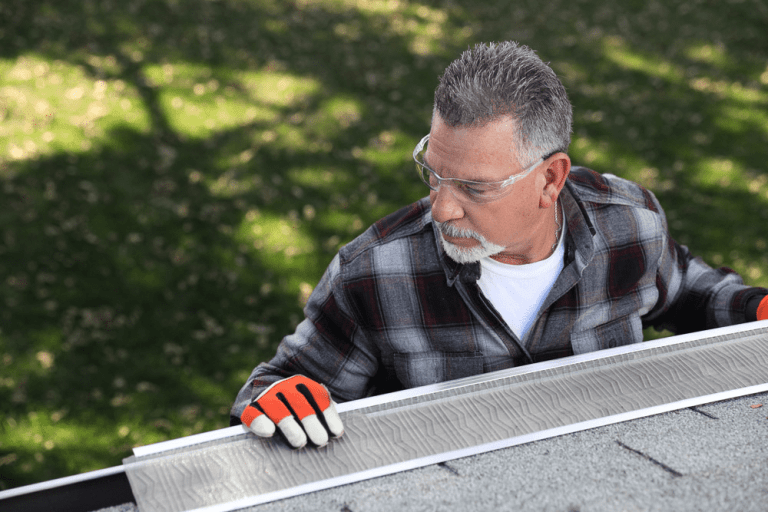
(518, 291)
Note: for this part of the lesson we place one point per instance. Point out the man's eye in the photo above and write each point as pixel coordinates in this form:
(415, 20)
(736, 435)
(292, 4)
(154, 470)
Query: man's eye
(471, 190)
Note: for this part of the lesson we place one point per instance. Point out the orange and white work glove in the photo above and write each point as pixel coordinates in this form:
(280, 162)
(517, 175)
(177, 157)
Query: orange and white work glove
(307, 399)
(762, 309)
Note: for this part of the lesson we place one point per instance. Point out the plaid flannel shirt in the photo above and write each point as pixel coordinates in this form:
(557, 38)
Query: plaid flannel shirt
(393, 311)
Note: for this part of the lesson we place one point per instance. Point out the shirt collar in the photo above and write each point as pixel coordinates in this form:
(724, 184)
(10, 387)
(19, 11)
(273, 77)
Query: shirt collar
(580, 246)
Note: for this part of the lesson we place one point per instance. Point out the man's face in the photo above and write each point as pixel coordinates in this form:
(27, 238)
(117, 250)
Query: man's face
(513, 224)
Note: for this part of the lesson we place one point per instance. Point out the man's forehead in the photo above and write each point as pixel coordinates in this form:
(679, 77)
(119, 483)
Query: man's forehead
(475, 152)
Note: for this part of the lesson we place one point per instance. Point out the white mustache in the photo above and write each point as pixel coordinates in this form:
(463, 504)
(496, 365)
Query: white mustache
(453, 231)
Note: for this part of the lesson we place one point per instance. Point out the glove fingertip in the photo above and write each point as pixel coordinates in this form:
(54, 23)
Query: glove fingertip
(315, 430)
(293, 432)
(333, 420)
(262, 426)
(249, 414)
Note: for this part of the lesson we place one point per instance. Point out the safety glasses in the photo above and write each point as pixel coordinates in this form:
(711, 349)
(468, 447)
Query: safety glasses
(466, 190)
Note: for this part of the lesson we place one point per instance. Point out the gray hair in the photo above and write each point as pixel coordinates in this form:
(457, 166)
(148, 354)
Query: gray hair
(507, 80)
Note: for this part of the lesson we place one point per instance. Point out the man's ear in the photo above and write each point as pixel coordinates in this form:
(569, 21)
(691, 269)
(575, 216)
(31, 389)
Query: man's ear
(558, 167)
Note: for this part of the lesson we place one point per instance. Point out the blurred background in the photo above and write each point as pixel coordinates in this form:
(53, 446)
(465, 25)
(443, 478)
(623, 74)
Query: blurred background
(175, 175)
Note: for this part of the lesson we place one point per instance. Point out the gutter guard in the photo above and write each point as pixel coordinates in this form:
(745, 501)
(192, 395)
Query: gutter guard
(230, 469)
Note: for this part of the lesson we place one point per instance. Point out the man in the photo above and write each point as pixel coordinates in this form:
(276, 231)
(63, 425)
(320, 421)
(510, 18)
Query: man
(514, 258)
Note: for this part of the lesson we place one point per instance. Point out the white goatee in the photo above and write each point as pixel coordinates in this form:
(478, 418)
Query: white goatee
(466, 254)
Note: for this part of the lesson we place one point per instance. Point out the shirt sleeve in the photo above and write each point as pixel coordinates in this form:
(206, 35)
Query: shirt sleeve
(328, 347)
(692, 295)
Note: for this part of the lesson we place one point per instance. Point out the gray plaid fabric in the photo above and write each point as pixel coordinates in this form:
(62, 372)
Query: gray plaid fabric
(393, 311)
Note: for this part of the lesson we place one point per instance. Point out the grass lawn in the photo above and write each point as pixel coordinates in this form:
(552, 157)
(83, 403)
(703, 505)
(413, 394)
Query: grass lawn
(175, 175)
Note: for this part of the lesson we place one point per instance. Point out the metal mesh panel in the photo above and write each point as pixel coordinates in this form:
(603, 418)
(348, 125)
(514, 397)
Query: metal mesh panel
(484, 414)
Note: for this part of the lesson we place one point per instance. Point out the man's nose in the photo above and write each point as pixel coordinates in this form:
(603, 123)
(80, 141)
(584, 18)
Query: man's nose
(445, 206)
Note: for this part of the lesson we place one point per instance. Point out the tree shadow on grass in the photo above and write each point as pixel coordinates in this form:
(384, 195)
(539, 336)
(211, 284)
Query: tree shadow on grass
(147, 273)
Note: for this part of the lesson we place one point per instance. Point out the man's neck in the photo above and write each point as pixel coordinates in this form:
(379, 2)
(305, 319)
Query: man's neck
(544, 248)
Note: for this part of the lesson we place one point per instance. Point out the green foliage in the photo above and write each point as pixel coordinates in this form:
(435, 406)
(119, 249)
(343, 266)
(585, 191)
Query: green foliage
(175, 177)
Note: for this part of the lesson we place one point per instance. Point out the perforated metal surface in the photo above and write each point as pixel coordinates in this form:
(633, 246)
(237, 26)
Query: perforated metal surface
(466, 417)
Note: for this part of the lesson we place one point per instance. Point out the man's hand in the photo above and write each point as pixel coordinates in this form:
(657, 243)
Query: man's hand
(762, 309)
(306, 399)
